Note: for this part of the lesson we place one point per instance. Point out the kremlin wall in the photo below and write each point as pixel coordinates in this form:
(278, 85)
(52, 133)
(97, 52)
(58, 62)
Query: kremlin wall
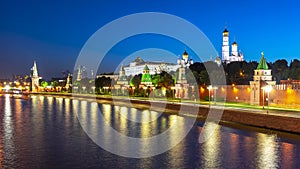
(288, 98)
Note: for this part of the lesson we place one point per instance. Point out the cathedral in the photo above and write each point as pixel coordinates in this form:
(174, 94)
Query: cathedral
(232, 56)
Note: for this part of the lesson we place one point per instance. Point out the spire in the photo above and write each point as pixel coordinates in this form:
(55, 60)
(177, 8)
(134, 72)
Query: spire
(34, 78)
(234, 42)
(79, 73)
(225, 32)
(122, 68)
(146, 77)
(34, 70)
(262, 63)
(146, 68)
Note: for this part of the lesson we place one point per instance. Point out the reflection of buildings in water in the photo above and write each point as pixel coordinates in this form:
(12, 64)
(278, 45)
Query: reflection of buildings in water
(211, 147)
(93, 117)
(234, 148)
(267, 151)
(177, 126)
(288, 155)
(123, 120)
(59, 102)
(50, 103)
(8, 131)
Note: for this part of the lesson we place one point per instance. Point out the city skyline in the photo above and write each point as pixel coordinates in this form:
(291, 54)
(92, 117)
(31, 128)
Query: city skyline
(54, 33)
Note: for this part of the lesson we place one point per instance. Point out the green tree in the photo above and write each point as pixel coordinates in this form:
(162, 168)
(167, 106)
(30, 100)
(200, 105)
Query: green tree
(295, 70)
(136, 80)
(280, 70)
(44, 84)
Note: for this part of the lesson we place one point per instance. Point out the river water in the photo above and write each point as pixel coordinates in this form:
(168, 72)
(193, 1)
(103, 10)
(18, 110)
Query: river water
(44, 132)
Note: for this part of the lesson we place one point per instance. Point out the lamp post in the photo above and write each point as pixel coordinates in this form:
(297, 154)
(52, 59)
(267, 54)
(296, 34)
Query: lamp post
(263, 98)
(209, 88)
(268, 90)
(236, 99)
(173, 91)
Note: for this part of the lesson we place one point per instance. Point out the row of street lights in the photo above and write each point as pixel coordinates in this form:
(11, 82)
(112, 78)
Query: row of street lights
(267, 88)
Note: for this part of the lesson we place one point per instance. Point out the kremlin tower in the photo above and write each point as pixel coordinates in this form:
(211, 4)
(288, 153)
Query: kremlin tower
(34, 78)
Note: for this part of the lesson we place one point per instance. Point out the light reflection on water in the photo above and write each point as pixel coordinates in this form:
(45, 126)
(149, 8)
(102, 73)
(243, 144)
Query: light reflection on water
(43, 132)
(8, 132)
(267, 151)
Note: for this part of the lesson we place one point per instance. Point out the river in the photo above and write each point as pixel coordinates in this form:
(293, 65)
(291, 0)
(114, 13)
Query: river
(44, 132)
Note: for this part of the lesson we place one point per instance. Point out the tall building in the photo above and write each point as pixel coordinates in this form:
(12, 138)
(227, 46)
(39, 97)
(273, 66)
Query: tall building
(122, 83)
(34, 78)
(122, 80)
(79, 73)
(262, 78)
(235, 55)
(181, 87)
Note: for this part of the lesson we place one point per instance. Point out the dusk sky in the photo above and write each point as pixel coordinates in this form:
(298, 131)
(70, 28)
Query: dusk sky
(53, 32)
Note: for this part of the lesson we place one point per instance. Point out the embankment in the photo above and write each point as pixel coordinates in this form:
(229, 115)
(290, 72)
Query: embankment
(239, 116)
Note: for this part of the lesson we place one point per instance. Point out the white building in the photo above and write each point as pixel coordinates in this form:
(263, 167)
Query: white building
(235, 55)
(34, 78)
(137, 66)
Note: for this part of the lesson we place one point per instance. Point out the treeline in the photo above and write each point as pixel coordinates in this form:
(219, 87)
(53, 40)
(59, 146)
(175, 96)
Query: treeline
(241, 73)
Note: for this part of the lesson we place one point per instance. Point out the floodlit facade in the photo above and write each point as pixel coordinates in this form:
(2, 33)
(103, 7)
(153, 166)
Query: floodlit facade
(34, 78)
(262, 78)
(137, 66)
(235, 55)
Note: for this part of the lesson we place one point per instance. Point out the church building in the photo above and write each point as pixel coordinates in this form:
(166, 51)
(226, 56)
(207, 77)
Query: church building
(235, 55)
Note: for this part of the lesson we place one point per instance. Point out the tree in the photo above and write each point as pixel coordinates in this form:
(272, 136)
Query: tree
(44, 84)
(136, 80)
(204, 78)
(166, 80)
(54, 84)
(280, 69)
(102, 81)
(295, 69)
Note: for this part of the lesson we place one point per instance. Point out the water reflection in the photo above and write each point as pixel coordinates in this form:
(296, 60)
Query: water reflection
(211, 148)
(288, 155)
(8, 131)
(43, 132)
(267, 151)
(50, 103)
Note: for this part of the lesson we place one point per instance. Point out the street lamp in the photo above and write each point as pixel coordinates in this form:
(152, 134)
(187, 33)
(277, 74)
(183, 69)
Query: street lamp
(173, 91)
(236, 99)
(268, 89)
(209, 88)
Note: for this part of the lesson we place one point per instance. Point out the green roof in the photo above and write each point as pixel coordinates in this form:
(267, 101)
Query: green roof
(146, 67)
(146, 78)
(262, 63)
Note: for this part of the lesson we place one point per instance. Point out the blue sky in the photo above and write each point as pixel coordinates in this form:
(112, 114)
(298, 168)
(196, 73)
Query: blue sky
(53, 32)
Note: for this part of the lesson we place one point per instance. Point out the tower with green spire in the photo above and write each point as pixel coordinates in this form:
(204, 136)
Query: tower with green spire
(261, 78)
(146, 77)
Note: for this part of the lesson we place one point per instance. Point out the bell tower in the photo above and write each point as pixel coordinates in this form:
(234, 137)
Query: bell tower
(225, 46)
